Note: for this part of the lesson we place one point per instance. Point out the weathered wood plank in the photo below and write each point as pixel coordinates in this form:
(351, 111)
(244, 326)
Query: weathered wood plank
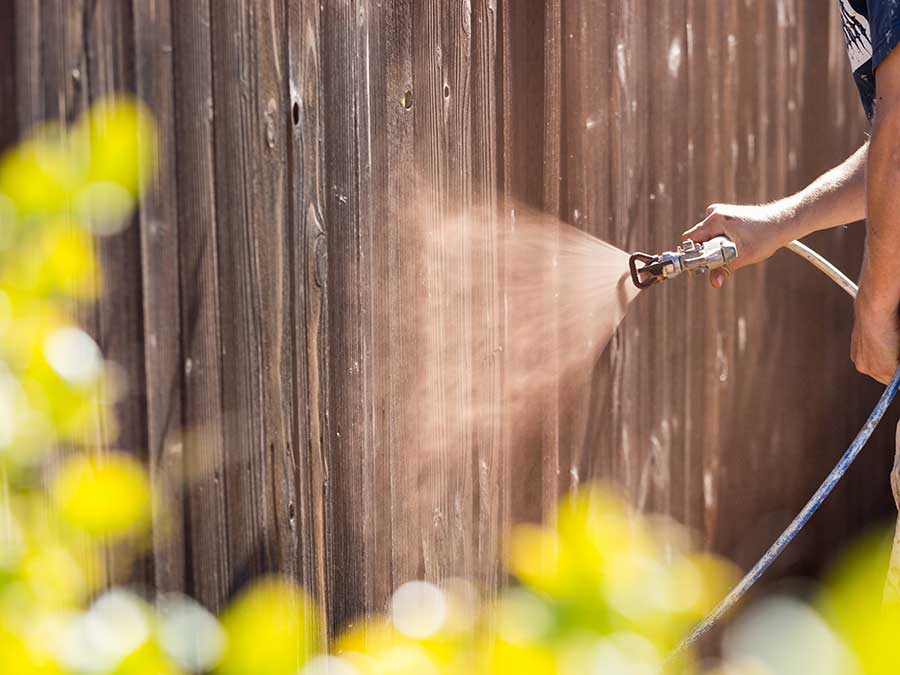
(675, 212)
(398, 343)
(28, 64)
(251, 111)
(551, 198)
(491, 512)
(442, 79)
(347, 569)
(209, 566)
(374, 156)
(161, 270)
(521, 185)
(310, 265)
(660, 479)
(9, 122)
(588, 134)
(60, 33)
(109, 57)
(629, 162)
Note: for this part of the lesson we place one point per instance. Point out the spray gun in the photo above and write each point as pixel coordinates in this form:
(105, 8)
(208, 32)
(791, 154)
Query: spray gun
(689, 257)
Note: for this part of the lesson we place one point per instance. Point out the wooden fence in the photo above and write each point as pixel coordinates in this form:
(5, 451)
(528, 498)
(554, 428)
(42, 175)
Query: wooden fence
(257, 308)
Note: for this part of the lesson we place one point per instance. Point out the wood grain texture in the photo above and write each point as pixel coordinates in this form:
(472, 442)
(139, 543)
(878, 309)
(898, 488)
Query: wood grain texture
(28, 62)
(309, 263)
(285, 305)
(492, 512)
(442, 78)
(350, 570)
(102, 37)
(522, 187)
(161, 275)
(9, 123)
(208, 563)
(251, 109)
(552, 179)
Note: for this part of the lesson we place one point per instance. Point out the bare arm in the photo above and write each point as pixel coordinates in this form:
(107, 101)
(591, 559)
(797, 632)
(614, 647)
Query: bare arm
(835, 198)
(875, 333)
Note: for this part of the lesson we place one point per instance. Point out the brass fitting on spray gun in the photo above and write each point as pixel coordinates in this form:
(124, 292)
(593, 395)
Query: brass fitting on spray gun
(689, 257)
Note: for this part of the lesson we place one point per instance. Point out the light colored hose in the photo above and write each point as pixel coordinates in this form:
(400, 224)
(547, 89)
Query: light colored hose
(824, 490)
(823, 266)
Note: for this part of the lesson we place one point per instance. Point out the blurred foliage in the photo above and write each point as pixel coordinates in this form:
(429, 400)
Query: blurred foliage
(103, 497)
(605, 590)
(59, 508)
(64, 502)
(266, 625)
(845, 627)
(866, 621)
(601, 590)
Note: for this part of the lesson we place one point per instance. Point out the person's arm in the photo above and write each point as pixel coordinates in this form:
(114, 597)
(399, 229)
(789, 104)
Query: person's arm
(835, 198)
(876, 345)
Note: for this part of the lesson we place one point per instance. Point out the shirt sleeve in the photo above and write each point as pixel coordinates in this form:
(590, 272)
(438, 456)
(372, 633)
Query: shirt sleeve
(884, 19)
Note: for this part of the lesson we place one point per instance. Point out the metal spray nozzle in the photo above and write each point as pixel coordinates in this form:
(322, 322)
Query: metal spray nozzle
(689, 257)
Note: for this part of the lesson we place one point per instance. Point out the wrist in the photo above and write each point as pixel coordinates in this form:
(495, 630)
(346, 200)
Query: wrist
(784, 220)
(876, 298)
(794, 217)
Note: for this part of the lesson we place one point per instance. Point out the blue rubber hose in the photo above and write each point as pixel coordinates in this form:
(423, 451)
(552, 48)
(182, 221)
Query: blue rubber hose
(824, 490)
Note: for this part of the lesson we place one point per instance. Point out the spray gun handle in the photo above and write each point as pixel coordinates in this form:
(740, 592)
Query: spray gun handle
(709, 255)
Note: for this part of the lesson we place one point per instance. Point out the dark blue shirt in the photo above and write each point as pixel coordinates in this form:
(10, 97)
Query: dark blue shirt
(871, 31)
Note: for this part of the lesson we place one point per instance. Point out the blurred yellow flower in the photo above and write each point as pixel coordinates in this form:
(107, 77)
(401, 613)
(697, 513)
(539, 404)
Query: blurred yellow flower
(852, 602)
(53, 379)
(20, 656)
(376, 647)
(61, 261)
(148, 659)
(39, 175)
(52, 575)
(122, 134)
(270, 629)
(512, 658)
(605, 569)
(106, 496)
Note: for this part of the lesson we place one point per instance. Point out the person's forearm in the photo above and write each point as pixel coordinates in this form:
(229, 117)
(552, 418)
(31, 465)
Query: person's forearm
(880, 281)
(835, 198)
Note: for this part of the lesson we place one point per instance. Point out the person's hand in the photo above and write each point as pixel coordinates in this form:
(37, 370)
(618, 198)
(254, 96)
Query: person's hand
(758, 231)
(875, 345)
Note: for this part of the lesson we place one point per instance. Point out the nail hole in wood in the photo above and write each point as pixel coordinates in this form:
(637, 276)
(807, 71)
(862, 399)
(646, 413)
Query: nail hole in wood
(295, 112)
(446, 91)
(407, 100)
